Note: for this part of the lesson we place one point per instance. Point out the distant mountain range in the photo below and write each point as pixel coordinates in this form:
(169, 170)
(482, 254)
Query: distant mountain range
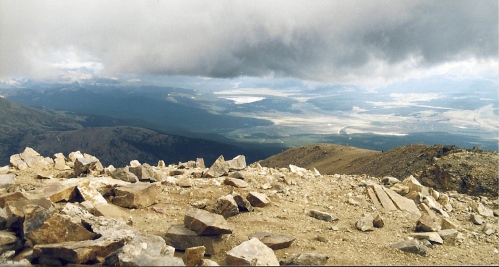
(114, 141)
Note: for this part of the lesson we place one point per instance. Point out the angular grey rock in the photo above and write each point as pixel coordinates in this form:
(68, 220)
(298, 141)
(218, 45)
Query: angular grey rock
(79, 252)
(58, 228)
(27, 215)
(273, 241)
(138, 195)
(252, 252)
(358, 201)
(385, 201)
(194, 256)
(219, 168)
(449, 236)
(415, 186)
(60, 162)
(226, 206)
(411, 246)
(425, 210)
(7, 180)
(365, 223)
(448, 224)
(402, 203)
(207, 262)
(7, 238)
(84, 166)
(145, 250)
(3, 218)
(257, 199)
(324, 216)
(109, 228)
(378, 221)
(200, 163)
(431, 236)
(235, 182)
(482, 210)
(242, 203)
(306, 259)
(181, 238)
(238, 163)
(489, 228)
(400, 189)
(111, 211)
(75, 211)
(476, 219)
(90, 194)
(185, 182)
(29, 158)
(426, 224)
(388, 180)
(15, 196)
(206, 223)
(143, 172)
(123, 175)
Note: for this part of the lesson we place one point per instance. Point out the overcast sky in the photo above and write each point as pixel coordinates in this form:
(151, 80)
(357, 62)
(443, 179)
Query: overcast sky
(320, 41)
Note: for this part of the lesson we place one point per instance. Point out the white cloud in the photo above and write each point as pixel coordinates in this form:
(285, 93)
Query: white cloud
(356, 42)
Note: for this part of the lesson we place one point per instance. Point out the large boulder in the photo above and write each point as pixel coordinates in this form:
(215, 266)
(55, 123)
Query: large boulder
(238, 163)
(87, 166)
(252, 252)
(56, 229)
(274, 241)
(123, 174)
(219, 168)
(181, 238)
(138, 195)
(206, 223)
(145, 250)
(29, 158)
(79, 252)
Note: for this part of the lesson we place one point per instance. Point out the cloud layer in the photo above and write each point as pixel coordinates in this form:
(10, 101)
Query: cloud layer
(338, 41)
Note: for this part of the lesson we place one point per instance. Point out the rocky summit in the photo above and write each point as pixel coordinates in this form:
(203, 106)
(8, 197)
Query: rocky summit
(71, 210)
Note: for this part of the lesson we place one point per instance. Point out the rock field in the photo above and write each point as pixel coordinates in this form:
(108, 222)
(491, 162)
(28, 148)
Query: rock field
(74, 211)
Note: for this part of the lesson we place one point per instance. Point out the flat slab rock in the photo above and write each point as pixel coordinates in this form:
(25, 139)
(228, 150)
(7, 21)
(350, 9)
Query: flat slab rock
(206, 223)
(306, 259)
(411, 246)
(235, 182)
(79, 251)
(182, 238)
(320, 215)
(274, 241)
(257, 199)
(251, 252)
(138, 195)
(431, 236)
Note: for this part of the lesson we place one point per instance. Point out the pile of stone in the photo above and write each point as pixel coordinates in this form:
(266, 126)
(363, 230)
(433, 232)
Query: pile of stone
(79, 215)
(434, 226)
(78, 212)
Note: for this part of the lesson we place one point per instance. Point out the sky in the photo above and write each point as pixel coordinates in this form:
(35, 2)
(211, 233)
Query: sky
(360, 42)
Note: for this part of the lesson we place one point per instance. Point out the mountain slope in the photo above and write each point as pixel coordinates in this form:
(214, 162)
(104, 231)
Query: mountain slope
(445, 167)
(326, 158)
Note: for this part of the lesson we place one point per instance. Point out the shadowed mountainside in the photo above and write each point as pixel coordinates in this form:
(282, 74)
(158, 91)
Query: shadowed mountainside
(50, 133)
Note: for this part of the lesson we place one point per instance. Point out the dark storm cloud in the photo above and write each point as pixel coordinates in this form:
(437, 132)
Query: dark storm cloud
(313, 40)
